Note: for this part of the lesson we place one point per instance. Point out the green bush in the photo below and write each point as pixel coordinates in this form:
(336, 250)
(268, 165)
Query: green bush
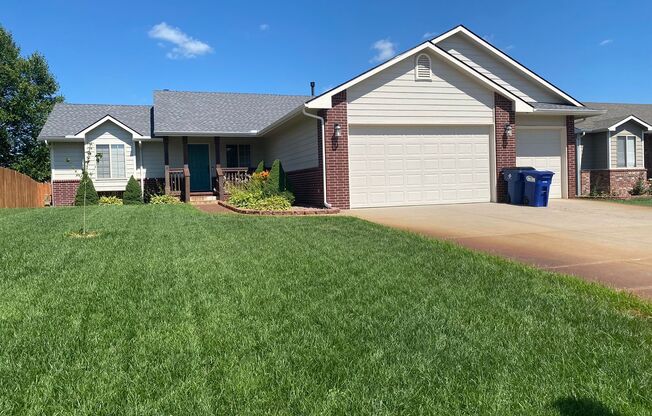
(276, 180)
(132, 195)
(110, 200)
(271, 203)
(261, 167)
(164, 200)
(91, 194)
(640, 188)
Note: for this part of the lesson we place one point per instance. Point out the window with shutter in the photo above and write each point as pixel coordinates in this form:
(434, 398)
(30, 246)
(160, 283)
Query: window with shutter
(422, 69)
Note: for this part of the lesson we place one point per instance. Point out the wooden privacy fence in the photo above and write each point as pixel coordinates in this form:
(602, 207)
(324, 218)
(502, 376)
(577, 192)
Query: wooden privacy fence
(21, 191)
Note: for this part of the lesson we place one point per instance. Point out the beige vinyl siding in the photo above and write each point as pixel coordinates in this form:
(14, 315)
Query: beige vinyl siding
(496, 69)
(631, 128)
(109, 133)
(395, 97)
(176, 149)
(67, 160)
(537, 120)
(294, 144)
(153, 160)
(594, 151)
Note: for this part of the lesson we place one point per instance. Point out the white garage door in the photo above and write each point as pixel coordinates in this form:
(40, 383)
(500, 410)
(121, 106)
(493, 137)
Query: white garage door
(392, 166)
(541, 149)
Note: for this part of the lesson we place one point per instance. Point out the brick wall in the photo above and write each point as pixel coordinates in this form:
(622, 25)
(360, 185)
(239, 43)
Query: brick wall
(616, 182)
(571, 156)
(337, 152)
(505, 146)
(63, 192)
(647, 157)
(307, 185)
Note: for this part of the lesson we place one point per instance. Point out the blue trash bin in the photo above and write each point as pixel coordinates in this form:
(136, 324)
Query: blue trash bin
(514, 178)
(537, 187)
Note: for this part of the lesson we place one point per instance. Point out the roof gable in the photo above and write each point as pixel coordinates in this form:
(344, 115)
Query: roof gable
(616, 114)
(541, 89)
(71, 120)
(324, 100)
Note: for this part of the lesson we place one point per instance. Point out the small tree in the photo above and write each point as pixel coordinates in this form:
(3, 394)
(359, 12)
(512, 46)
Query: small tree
(277, 180)
(86, 193)
(132, 195)
(261, 167)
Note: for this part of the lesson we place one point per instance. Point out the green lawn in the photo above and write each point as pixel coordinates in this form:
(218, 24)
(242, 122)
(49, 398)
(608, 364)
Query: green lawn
(644, 201)
(173, 311)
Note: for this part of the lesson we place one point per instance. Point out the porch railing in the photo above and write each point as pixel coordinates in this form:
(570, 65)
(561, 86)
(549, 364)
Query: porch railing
(176, 181)
(227, 176)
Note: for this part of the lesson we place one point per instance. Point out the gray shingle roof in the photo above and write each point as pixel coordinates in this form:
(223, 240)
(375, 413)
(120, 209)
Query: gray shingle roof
(615, 113)
(551, 106)
(215, 113)
(67, 119)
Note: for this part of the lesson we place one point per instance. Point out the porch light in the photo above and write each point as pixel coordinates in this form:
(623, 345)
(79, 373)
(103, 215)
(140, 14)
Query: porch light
(338, 130)
(508, 129)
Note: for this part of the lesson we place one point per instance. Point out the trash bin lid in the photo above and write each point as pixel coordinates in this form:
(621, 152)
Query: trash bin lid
(541, 173)
(517, 168)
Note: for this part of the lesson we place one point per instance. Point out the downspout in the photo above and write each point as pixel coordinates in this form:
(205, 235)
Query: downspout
(578, 164)
(323, 152)
(142, 180)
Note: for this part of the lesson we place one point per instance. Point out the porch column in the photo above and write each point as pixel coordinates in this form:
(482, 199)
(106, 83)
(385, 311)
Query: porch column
(166, 156)
(186, 170)
(219, 177)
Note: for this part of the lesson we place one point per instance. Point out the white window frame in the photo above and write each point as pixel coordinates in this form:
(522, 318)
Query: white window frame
(627, 139)
(416, 68)
(107, 156)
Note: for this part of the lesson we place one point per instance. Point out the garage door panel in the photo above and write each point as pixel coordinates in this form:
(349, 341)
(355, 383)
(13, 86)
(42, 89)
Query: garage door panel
(421, 165)
(541, 149)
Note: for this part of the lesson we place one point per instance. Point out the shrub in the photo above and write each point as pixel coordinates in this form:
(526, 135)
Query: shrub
(276, 180)
(640, 188)
(272, 203)
(164, 200)
(132, 195)
(110, 200)
(86, 183)
(261, 167)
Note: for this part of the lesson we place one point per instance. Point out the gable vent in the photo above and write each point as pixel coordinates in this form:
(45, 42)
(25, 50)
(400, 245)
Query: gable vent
(422, 69)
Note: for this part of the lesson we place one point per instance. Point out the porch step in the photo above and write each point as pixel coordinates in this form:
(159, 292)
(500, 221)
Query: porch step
(209, 202)
(203, 198)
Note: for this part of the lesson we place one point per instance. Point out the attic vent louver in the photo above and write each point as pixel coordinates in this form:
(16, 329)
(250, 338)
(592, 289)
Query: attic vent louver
(422, 67)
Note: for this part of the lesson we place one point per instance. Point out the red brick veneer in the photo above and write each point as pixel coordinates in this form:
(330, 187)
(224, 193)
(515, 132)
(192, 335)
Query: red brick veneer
(63, 192)
(647, 156)
(616, 182)
(337, 152)
(307, 185)
(505, 146)
(571, 156)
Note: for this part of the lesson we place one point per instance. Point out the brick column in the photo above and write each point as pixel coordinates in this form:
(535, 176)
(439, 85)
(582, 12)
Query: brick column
(505, 145)
(337, 152)
(63, 192)
(571, 156)
(647, 153)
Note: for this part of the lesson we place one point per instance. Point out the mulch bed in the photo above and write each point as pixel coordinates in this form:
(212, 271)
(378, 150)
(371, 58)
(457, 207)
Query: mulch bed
(296, 210)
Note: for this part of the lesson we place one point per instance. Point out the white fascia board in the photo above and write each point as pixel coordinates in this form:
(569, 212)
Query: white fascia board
(630, 118)
(324, 100)
(113, 120)
(508, 59)
(71, 139)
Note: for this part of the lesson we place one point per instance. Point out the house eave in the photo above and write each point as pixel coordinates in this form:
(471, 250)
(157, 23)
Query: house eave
(581, 111)
(205, 134)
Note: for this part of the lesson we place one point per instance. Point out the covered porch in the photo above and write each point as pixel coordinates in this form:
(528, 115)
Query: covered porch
(201, 167)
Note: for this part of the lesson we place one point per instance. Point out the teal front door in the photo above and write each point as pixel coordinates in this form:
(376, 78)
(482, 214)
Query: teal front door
(200, 169)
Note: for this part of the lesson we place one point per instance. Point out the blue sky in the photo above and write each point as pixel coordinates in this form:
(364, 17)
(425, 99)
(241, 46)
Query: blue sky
(120, 51)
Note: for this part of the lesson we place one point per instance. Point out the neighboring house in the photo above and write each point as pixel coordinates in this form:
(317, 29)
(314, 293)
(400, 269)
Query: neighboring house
(615, 148)
(436, 124)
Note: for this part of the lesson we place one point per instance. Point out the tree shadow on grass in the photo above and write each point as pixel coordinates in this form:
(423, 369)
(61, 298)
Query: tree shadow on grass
(582, 406)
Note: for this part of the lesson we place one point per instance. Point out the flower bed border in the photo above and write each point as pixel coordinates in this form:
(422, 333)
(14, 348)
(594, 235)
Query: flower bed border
(298, 212)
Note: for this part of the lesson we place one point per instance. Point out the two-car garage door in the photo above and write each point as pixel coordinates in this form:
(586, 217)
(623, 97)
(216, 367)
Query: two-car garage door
(393, 166)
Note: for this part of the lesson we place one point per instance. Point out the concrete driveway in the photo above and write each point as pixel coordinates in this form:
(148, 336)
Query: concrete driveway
(600, 241)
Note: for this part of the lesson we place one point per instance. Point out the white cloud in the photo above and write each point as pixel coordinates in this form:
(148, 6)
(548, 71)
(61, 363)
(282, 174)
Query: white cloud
(489, 38)
(385, 49)
(508, 48)
(263, 27)
(606, 42)
(429, 35)
(184, 45)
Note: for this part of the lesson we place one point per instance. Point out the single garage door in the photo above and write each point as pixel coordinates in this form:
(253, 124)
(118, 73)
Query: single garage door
(541, 149)
(393, 166)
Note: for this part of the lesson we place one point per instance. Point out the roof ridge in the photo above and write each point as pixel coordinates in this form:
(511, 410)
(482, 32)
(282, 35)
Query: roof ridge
(113, 105)
(235, 93)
